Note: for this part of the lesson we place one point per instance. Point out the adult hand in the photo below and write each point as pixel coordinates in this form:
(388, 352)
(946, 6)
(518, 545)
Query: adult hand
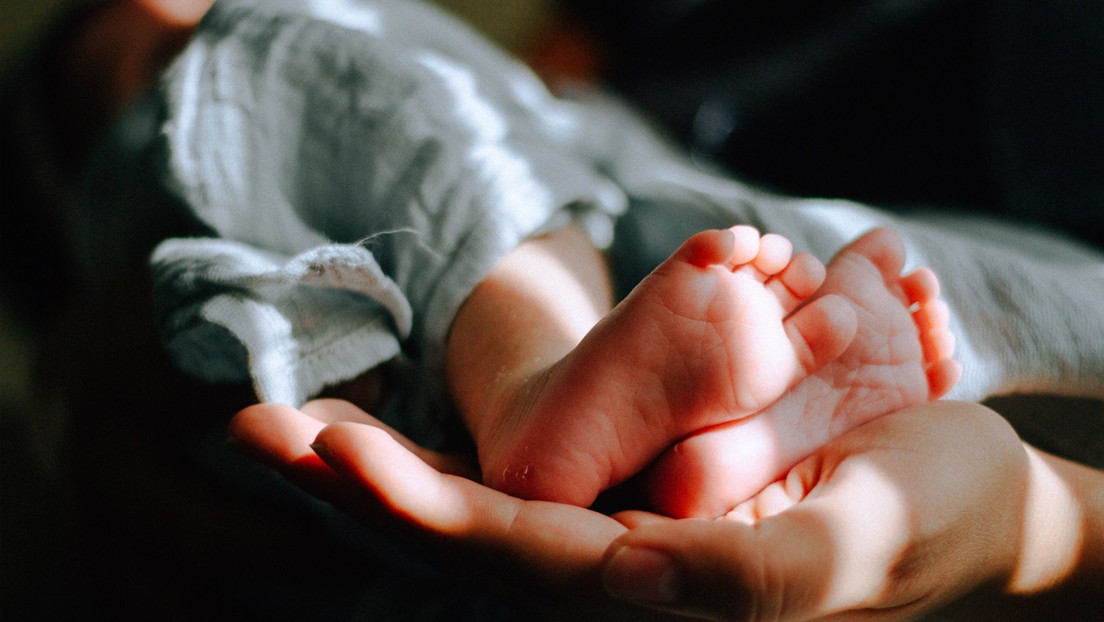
(894, 519)
(545, 556)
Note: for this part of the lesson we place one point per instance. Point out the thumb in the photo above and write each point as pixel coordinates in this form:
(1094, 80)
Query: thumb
(814, 558)
(718, 570)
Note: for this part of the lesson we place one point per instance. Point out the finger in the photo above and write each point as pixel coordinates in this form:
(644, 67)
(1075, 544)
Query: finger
(460, 510)
(336, 411)
(635, 518)
(330, 410)
(274, 434)
(551, 549)
(279, 437)
(813, 559)
(548, 552)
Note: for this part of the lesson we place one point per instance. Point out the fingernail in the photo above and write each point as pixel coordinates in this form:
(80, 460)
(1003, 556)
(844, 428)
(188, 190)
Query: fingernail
(643, 575)
(320, 449)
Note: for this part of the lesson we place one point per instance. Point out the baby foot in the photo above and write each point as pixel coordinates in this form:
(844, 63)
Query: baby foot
(899, 357)
(715, 332)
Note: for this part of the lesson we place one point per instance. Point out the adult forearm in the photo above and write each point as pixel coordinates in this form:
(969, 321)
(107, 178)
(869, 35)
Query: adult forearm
(1063, 554)
(1060, 571)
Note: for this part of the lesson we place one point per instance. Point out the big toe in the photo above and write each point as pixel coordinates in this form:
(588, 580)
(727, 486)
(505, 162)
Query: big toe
(882, 247)
(733, 246)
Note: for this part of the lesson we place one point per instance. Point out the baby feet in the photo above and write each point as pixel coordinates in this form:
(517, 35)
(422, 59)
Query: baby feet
(716, 332)
(900, 356)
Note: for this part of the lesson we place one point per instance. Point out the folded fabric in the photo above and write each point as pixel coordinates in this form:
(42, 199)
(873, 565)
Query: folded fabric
(360, 161)
(351, 170)
(366, 164)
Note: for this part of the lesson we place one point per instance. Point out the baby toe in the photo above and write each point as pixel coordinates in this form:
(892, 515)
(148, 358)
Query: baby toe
(920, 286)
(797, 281)
(820, 332)
(933, 320)
(938, 345)
(708, 248)
(774, 255)
(942, 377)
(745, 245)
(883, 248)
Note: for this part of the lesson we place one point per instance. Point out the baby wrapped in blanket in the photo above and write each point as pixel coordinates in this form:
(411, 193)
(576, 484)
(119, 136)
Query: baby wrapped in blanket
(361, 166)
(357, 169)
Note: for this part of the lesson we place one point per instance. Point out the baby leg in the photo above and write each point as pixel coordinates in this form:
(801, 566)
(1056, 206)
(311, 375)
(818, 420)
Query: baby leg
(716, 332)
(899, 357)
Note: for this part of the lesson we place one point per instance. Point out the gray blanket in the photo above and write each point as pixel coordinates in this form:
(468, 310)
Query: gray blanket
(361, 165)
(351, 170)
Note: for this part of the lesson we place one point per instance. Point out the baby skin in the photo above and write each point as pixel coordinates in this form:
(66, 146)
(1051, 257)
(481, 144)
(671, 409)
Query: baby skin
(900, 357)
(719, 331)
(729, 326)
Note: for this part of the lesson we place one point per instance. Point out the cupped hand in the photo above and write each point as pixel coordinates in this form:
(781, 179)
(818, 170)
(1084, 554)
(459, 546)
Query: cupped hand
(545, 556)
(892, 520)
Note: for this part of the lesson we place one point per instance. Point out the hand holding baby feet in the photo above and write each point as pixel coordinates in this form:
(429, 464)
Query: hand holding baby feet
(901, 356)
(720, 330)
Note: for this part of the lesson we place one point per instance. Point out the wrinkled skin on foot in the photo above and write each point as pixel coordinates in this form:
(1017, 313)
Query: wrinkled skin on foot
(901, 356)
(716, 332)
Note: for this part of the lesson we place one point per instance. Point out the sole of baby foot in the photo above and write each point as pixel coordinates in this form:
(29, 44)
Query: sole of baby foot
(722, 327)
(900, 356)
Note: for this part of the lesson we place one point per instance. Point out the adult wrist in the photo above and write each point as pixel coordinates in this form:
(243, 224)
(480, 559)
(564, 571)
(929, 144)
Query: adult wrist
(1061, 562)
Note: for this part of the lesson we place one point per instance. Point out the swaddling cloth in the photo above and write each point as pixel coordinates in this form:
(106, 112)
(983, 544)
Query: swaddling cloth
(363, 165)
(366, 164)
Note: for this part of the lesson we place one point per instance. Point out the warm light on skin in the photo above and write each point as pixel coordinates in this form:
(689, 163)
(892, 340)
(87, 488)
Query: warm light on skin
(541, 309)
(1053, 536)
(179, 13)
(884, 521)
(750, 456)
(572, 306)
(405, 484)
(867, 550)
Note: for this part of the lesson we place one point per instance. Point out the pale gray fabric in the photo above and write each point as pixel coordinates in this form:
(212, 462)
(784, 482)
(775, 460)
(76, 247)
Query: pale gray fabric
(357, 167)
(368, 162)
(365, 164)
